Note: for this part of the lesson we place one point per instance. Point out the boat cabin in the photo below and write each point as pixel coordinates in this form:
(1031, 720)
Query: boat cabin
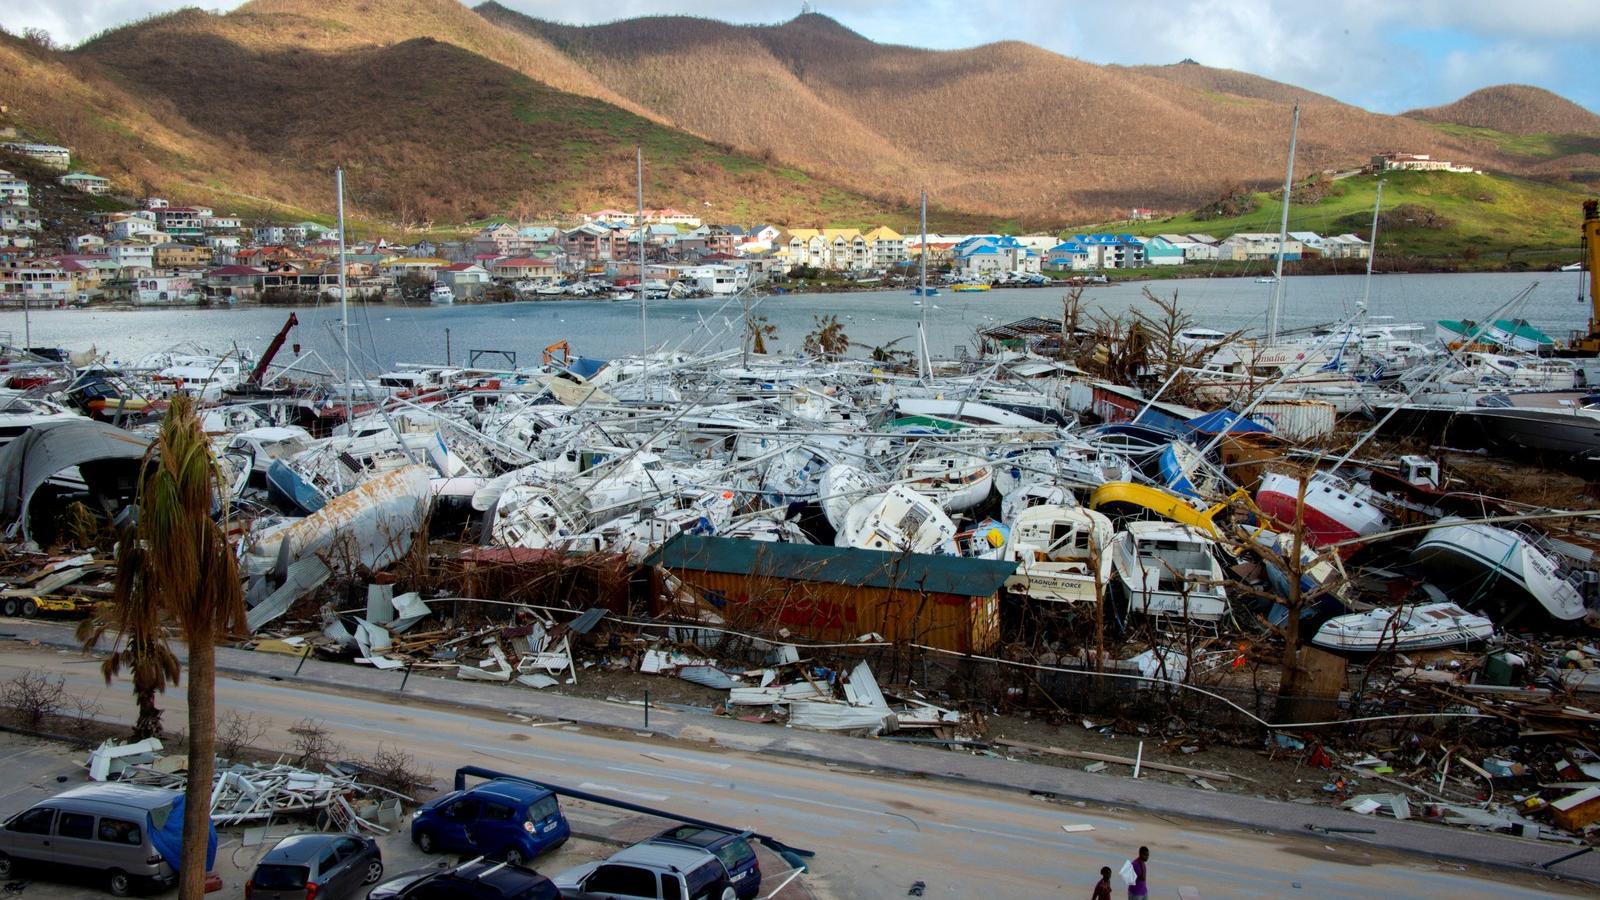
(1420, 471)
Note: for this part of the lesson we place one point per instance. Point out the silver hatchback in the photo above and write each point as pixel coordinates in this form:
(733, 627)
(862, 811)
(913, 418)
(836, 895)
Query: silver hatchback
(324, 866)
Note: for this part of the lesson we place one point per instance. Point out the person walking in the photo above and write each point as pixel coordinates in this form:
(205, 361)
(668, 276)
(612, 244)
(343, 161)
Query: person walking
(1139, 889)
(1102, 888)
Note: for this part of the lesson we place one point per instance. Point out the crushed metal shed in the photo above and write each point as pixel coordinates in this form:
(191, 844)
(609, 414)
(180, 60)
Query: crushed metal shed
(840, 593)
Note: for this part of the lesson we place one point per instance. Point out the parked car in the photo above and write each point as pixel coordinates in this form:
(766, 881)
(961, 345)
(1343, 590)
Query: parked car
(102, 828)
(731, 848)
(324, 866)
(502, 819)
(649, 871)
(475, 880)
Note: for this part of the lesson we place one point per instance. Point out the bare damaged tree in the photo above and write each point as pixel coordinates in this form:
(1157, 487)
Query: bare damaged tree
(313, 745)
(236, 734)
(1169, 354)
(33, 697)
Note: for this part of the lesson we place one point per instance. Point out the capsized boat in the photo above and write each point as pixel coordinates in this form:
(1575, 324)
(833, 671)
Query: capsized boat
(956, 481)
(1336, 510)
(898, 520)
(1031, 495)
(1513, 334)
(984, 540)
(1499, 568)
(840, 486)
(1324, 590)
(1426, 626)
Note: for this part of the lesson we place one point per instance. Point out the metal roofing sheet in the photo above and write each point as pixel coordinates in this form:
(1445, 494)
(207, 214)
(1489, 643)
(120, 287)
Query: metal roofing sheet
(835, 565)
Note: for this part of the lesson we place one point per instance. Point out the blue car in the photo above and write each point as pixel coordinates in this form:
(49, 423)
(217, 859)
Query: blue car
(500, 819)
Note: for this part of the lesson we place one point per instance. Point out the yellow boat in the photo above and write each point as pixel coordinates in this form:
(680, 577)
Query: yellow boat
(1127, 498)
(963, 288)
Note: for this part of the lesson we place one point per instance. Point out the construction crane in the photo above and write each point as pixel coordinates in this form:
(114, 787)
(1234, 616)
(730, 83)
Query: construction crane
(1589, 344)
(260, 370)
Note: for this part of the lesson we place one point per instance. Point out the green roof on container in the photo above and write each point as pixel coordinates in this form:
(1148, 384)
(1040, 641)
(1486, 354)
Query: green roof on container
(835, 565)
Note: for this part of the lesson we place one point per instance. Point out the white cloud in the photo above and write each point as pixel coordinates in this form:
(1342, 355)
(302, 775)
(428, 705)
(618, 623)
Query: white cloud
(74, 21)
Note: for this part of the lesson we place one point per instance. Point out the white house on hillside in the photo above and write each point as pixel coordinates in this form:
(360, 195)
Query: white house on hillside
(13, 188)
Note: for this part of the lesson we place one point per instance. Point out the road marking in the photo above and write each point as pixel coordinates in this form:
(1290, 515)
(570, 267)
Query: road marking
(933, 823)
(649, 774)
(613, 789)
(657, 755)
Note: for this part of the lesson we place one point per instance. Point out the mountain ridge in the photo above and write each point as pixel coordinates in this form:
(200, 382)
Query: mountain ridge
(1513, 109)
(467, 112)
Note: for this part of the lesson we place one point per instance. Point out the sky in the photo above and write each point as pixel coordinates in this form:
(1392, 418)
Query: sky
(1384, 55)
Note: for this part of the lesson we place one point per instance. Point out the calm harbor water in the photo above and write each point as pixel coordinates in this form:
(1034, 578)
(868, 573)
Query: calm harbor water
(386, 335)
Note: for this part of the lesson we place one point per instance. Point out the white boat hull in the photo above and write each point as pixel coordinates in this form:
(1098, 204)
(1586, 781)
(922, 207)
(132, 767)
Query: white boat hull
(1483, 562)
(1429, 626)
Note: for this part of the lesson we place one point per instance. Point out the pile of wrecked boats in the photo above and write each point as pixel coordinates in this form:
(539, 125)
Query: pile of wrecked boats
(1157, 520)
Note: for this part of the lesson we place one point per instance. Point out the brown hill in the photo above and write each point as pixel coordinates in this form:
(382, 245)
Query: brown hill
(1232, 82)
(454, 128)
(337, 25)
(141, 142)
(1003, 129)
(440, 112)
(1514, 109)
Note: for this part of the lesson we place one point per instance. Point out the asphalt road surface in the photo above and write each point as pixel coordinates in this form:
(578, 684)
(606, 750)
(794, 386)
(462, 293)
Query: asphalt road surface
(874, 835)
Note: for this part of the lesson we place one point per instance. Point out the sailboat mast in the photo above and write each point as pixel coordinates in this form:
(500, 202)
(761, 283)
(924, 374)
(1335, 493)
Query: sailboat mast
(1372, 251)
(344, 308)
(925, 369)
(644, 328)
(1283, 235)
(922, 254)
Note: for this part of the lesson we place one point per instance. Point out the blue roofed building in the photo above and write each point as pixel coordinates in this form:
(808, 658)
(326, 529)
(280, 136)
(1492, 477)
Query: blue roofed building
(1067, 255)
(984, 256)
(1112, 251)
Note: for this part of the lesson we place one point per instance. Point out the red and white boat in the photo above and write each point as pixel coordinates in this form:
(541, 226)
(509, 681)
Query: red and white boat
(1335, 509)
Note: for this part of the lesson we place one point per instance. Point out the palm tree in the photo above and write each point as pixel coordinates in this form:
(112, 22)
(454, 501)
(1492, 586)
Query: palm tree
(759, 330)
(141, 645)
(175, 568)
(828, 339)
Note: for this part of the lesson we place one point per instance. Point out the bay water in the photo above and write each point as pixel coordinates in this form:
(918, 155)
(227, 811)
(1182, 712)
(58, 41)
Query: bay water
(383, 335)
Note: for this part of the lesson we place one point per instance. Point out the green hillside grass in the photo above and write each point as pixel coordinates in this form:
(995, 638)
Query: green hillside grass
(1529, 146)
(1490, 216)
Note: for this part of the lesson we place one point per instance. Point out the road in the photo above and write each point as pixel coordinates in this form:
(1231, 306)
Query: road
(874, 834)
